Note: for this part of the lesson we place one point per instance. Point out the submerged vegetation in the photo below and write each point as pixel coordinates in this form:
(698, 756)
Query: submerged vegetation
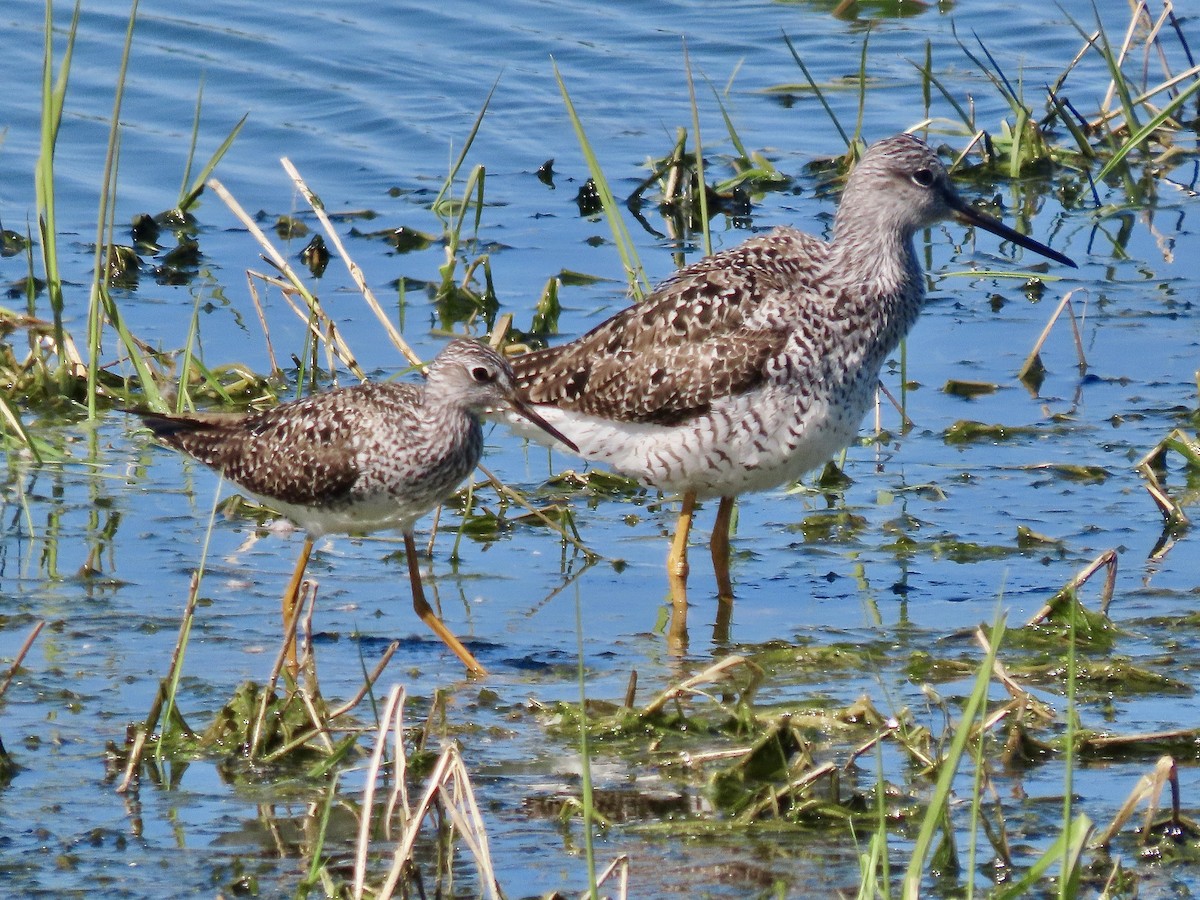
(740, 747)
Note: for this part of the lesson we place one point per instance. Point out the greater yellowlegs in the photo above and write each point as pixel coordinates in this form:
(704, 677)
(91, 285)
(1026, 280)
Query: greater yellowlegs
(752, 366)
(364, 458)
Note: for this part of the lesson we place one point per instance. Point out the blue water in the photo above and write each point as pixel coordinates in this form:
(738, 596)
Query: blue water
(373, 105)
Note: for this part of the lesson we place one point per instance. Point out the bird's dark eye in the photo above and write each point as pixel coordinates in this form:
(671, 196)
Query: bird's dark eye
(483, 375)
(922, 177)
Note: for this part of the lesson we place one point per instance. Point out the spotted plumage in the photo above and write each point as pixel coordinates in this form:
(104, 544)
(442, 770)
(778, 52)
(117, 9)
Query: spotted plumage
(751, 366)
(330, 462)
(361, 458)
(754, 365)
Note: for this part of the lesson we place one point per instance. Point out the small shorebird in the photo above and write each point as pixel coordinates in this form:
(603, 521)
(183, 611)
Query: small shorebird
(752, 366)
(364, 458)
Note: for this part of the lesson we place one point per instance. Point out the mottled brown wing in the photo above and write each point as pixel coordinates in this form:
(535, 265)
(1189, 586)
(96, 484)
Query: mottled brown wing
(299, 453)
(686, 345)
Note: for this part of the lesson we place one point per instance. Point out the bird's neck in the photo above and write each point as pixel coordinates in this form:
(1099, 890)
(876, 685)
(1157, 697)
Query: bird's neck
(444, 425)
(876, 259)
(881, 285)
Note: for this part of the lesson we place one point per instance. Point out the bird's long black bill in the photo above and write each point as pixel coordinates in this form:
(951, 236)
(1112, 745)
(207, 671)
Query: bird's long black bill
(527, 411)
(973, 216)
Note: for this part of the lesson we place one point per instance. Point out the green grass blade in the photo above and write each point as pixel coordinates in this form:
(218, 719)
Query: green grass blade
(862, 85)
(1073, 841)
(947, 96)
(585, 756)
(926, 71)
(318, 859)
(634, 273)
(976, 804)
(1065, 879)
(816, 90)
(939, 803)
(996, 77)
(185, 626)
(101, 304)
(462, 156)
(1139, 136)
(1013, 95)
(699, 150)
(182, 398)
(195, 139)
(54, 92)
(734, 138)
(187, 198)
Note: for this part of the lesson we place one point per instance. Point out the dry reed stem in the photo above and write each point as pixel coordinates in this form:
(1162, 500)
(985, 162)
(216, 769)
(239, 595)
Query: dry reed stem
(1113, 742)
(620, 865)
(689, 685)
(437, 520)
(320, 729)
(366, 686)
(463, 812)
(278, 260)
(862, 748)
(772, 801)
(698, 760)
(307, 596)
(399, 793)
(1032, 358)
(1144, 97)
(1170, 508)
(1021, 698)
(315, 318)
(1140, 17)
(12, 670)
(1148, 788)
(465, 816)
(70, 352)
(262, 319)
(352, 267)
(135, 757)
(1106, 560)
(1138, 13)
(393, 708)
(631, 690)
(18, 428)
(520, 500)
(500, 331)
(303, 738)
(905, 422)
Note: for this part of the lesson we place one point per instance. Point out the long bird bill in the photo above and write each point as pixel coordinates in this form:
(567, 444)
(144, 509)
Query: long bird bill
(527, 411)
(972, 216)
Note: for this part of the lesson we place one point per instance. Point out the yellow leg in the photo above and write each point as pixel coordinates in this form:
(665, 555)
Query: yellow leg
(718, 545)
(677, 573)
(290, 599)
(428, 616)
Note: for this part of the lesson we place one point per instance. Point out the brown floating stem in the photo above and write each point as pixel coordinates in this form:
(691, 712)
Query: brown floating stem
(1106, 560)
(12, 670)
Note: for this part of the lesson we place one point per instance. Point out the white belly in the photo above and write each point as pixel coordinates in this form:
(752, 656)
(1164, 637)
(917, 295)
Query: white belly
(747, 443)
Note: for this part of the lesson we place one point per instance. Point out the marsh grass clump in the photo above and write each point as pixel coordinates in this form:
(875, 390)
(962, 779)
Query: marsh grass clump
(735, 747)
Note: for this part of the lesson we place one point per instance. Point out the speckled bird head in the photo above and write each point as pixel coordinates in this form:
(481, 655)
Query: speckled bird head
(901, 185)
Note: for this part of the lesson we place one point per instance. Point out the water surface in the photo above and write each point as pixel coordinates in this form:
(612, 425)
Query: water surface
(373, 104)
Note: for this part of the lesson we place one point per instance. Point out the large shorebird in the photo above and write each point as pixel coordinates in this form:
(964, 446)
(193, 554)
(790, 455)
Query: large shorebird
(752, 366)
